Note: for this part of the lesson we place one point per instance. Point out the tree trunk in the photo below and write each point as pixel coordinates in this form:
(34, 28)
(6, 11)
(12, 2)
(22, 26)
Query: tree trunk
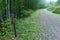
(7, 9)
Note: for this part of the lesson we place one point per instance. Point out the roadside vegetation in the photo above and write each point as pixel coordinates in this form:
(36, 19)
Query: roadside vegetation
(21, 14)
(55, 10)
(26, 27)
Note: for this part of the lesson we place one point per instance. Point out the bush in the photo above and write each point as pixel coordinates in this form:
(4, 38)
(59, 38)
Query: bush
(57, 10)
(51, 8)
(4, 30)
(24, 13)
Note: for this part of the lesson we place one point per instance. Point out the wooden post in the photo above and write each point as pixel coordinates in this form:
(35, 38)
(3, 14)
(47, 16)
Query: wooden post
(14, 25)
(12, 11)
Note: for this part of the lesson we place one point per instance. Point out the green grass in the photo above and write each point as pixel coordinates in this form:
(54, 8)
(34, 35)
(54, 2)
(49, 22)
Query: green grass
(57, 15)
(27, 27)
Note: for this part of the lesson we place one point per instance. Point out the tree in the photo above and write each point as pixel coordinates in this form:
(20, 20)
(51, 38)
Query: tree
(7, 9)
(31, 4)
(42, 3)
(58, 2)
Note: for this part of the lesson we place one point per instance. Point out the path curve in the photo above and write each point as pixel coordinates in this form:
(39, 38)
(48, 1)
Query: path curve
(51, 25)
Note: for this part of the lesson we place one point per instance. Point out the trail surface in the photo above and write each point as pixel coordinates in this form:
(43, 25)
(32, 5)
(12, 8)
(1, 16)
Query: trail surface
(51, 25)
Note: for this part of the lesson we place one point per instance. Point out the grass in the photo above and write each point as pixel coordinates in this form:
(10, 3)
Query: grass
(27, 27)
(57, 15)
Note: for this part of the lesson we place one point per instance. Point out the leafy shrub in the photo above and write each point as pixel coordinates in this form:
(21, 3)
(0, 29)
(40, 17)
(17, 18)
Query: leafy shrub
(24, 13)
(51, 8)
(57, 10)
(4, 30)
